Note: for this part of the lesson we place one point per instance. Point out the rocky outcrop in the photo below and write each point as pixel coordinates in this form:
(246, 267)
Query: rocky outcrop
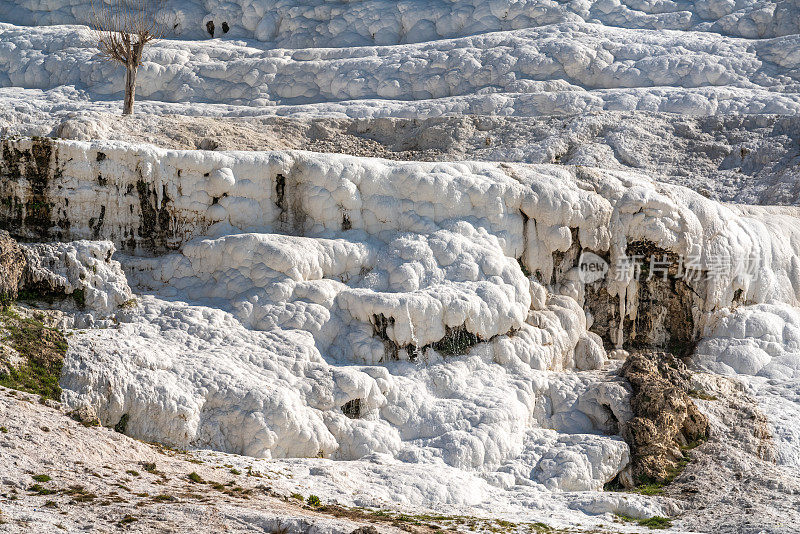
(666, 421)
(12, 265)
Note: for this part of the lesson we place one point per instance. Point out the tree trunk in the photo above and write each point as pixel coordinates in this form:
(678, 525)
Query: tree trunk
(130, 88)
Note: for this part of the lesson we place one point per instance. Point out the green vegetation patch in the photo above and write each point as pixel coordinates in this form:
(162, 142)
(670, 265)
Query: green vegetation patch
(42, 349)
(656, 522)
(38, 489)
(128, 519)
(194, 477)
(35, 294)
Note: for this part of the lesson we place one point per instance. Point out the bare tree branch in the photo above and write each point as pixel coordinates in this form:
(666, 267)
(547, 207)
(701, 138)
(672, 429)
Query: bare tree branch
(123, 28)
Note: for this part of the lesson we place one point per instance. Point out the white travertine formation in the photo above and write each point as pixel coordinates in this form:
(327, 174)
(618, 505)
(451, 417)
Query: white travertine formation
(424, 324)
(78, 266)
(320, 23)
(348, 306)
(570, 67)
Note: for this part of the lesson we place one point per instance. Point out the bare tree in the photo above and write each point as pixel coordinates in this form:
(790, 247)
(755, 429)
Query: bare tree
(123, 29)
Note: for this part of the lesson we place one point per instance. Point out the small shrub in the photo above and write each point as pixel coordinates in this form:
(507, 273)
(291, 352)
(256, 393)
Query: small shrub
(41, 478)
(132, 472)
(122, 424)
(650, 489)
(235, 471)
(656, 522)
(130, 303)
(194, 477)
(313, 500)
(127, 520)
(40, 490)
(4, 430)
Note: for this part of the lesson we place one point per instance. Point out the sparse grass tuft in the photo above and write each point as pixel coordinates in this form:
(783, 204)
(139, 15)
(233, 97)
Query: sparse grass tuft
(649, 488)
(79, 494)
(194, 477)
(41, 478)
(38, 489)
(130, 303)
(702, 395)
(655, 522)
(128, 519)
(298, 496)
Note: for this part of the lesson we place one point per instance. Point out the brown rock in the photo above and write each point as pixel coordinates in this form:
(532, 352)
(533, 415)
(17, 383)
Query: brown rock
(665, 417)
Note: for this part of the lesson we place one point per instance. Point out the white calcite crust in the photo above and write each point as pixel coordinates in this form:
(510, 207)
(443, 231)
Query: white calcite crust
(78, 266)
(571, 67)
(761, 340)
(193, 376)
(422, 324)
(310, 285)
(320, 23)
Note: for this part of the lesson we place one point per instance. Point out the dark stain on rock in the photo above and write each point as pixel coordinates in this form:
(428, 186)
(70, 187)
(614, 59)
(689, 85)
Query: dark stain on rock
(379, 325)
(292, 218)
(456, 342)
(352, 408)
(156, 221)
(665, 302)
(96, 224)
(664, 319)
(33, 169)
(280, 192)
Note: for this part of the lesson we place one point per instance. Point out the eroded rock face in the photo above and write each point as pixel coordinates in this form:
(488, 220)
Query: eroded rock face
(665, 418)
(12, 265)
